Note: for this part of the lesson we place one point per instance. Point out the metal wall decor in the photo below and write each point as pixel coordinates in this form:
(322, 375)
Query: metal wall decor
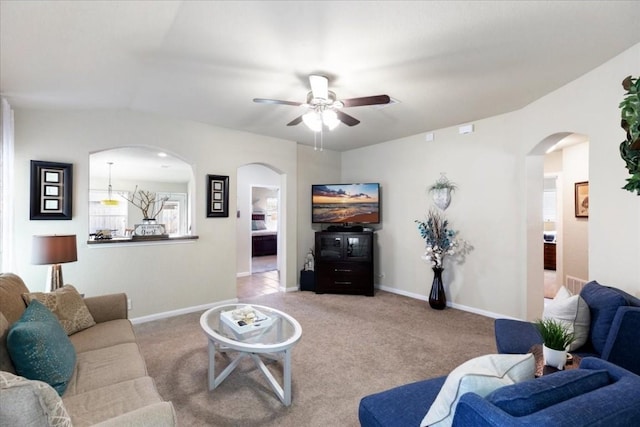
(217, 196)
(51, 190)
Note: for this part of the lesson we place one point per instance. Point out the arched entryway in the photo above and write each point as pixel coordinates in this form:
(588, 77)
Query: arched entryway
(564, 155)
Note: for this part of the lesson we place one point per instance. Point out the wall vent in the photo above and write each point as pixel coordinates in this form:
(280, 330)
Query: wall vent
(574, 284)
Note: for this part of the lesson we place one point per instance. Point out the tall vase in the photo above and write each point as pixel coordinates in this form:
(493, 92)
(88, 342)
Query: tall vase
(437, 298)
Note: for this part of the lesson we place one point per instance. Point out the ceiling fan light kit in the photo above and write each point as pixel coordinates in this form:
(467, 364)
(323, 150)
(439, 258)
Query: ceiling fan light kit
(324, 107)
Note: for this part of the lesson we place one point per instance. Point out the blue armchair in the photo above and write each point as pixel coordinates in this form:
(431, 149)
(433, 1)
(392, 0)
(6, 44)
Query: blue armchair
(598, 393)
(614, 333)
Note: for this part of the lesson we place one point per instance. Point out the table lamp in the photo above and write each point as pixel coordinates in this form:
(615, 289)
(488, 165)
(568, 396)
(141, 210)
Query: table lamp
(54, 250)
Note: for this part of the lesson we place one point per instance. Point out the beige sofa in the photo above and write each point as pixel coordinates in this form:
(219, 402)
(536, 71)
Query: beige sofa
(109, 385)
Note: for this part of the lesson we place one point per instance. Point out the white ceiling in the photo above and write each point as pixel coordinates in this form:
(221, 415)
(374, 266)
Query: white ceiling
(447, 63)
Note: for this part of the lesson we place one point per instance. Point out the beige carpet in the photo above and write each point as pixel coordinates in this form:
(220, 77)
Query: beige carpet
(351, 346)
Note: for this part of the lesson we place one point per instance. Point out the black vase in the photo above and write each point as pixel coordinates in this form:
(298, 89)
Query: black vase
(437, 298)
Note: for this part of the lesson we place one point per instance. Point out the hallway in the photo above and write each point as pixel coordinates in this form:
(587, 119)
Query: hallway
(265, 278)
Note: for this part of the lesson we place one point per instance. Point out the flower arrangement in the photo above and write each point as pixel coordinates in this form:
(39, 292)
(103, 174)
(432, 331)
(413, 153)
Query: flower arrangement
(440, 240)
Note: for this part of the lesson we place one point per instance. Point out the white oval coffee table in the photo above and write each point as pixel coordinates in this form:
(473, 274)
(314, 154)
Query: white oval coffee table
(272, 335)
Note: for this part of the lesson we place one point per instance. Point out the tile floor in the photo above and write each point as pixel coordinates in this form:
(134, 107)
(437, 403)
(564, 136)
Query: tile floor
(260, 283)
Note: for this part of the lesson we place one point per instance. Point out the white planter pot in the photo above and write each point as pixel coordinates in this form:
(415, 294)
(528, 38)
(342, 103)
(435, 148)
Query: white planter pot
(442, 197)
(554, 358)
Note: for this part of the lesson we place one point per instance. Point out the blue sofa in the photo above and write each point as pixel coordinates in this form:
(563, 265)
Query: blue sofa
(614, 333)
(597, 393)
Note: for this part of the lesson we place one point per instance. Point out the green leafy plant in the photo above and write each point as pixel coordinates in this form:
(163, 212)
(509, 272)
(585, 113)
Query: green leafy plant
(442, 183)
(630, 122)
(555, 335)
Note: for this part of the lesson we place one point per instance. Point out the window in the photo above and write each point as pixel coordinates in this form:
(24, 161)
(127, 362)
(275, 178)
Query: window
(174, 213)
(271, 216)
(549, 200)
(112, 218)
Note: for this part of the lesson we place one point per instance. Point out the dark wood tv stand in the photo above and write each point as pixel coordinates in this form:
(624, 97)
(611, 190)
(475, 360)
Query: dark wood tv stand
(344, 262)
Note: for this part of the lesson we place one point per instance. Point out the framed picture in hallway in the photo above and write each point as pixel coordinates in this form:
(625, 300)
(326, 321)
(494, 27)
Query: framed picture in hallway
(582, 199)
(217, 196)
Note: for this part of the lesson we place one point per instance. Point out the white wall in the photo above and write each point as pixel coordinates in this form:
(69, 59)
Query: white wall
(589, 106)
(157, 278)
(314, 167)
(498, 207)
(575, 231)
(484, 209)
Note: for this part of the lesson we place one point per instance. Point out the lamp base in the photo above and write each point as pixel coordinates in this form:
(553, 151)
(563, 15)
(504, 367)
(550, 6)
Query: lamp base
(54, 277)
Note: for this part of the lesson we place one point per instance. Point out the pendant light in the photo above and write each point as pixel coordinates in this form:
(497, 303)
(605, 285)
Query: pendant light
(109, 201)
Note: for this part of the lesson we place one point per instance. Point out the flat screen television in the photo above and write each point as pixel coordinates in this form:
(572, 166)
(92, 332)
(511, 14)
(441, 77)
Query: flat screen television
(345, 203)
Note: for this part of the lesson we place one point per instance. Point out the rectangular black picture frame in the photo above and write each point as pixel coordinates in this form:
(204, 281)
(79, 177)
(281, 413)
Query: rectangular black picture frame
(217, 196)
(51, 190)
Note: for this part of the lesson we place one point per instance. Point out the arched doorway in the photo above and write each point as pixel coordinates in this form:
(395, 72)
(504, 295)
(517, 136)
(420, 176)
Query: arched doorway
(563, 155)
(259, 231)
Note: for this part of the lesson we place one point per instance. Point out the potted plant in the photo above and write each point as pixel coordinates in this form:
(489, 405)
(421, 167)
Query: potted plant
(630, 147)
(147, 202)
(440, 242)
(556, 338)
(441, 191)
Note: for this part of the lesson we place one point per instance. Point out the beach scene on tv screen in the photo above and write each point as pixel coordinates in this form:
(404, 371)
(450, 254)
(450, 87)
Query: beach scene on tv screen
(348, 203)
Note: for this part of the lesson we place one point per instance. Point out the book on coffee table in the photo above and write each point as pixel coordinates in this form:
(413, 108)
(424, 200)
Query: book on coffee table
(240, 326)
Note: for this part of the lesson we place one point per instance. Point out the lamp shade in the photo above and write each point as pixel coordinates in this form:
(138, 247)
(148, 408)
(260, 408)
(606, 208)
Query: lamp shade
(54, 249)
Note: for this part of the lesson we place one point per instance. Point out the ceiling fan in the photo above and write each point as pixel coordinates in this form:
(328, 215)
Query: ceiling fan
(324, 109)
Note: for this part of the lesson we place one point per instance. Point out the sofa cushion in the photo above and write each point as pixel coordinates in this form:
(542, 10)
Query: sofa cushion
(573, 312)
(481, 375)
(105, 334)
(40, 349)
(102, 403)
(106, 366)
(11, 289)
(603, 304)
(404, 405)
(532, 396)
(68, 306)
(5, 360)
(30, 403)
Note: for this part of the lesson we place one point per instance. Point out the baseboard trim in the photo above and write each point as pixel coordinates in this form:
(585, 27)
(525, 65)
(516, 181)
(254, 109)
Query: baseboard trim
(449, 303)
(186, 310)
(172, 313)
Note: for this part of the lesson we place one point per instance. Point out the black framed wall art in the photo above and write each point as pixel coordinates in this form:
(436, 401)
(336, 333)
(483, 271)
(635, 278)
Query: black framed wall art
(51, 190)
(217, 196)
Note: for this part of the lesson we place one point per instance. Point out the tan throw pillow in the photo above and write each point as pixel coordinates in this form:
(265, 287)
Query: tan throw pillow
(68, 306)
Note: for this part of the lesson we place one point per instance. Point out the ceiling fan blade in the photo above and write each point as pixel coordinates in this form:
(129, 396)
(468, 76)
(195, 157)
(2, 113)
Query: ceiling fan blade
(347, 119)
(319, 86)
(295, 121)
(276, 101)
(366, 100)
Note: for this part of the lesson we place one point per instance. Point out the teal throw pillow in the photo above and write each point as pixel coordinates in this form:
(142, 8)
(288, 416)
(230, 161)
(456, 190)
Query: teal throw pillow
(40, 349)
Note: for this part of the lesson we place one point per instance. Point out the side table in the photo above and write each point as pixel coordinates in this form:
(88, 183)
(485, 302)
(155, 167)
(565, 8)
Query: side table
(542, 369)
